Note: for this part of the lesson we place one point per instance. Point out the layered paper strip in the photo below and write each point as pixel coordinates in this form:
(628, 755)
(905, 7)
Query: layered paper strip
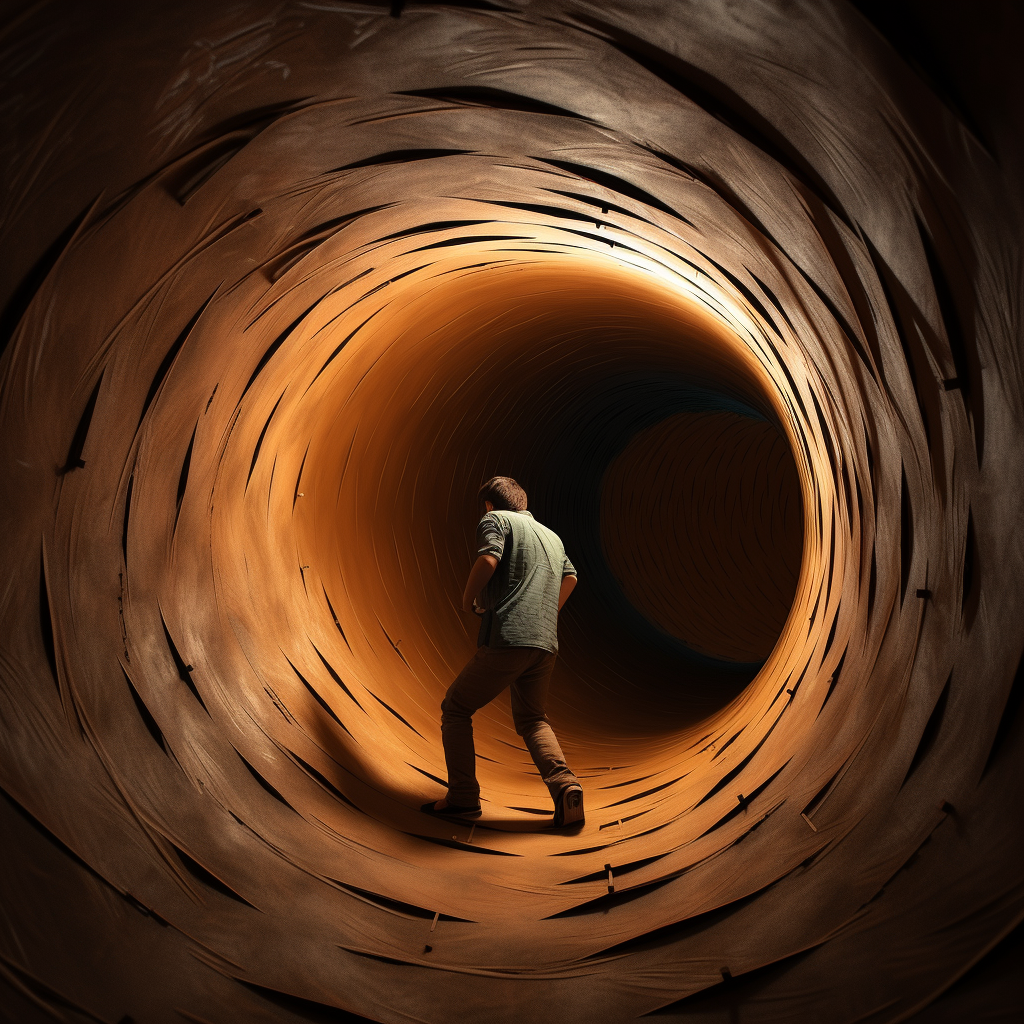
(730, 292)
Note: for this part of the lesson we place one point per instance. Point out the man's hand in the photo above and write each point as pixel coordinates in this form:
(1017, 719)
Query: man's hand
(482, 571)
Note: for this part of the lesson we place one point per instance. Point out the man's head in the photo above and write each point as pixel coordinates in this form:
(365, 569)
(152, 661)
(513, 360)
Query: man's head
(503, 494)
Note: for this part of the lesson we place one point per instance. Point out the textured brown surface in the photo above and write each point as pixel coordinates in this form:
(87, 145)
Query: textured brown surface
(701, 526)
(284, 283)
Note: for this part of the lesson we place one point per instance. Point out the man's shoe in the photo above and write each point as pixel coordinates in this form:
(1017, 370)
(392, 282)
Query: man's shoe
(569, 806)
(451, 810)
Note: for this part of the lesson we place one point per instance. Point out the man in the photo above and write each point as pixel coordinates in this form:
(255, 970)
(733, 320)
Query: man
(518, 584)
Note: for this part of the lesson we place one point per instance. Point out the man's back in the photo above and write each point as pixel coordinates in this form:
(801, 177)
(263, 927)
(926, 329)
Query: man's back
(521, 597)
(521, 578)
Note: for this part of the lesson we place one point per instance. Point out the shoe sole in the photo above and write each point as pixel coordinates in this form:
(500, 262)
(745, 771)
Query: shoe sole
(570, 804)
(472, 812)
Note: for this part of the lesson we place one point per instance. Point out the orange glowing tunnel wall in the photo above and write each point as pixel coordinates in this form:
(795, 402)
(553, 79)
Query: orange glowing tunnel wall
(729, 290)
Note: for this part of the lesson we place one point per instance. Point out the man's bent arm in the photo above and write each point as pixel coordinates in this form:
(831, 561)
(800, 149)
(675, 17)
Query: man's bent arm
(568, 582)
(482, 571)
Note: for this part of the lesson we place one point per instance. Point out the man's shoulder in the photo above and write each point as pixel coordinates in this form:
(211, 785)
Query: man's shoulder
(492, 518)
(506, 520)
(525, 517)
(494, 523)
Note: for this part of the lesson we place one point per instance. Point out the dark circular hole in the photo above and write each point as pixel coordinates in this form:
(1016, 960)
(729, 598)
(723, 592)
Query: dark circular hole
(643, 435)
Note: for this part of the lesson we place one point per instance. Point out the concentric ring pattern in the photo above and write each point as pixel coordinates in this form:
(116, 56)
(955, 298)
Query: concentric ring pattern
(730, 291)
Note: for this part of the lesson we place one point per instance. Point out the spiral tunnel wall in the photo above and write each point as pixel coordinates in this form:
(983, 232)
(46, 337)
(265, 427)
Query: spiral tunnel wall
(733, 291)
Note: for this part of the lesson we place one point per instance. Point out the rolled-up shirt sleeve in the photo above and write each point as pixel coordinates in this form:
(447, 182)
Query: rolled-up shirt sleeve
(568, 569)
(490, 538)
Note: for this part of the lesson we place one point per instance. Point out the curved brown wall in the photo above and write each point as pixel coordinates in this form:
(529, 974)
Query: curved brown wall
(701, 525)
(730, 290)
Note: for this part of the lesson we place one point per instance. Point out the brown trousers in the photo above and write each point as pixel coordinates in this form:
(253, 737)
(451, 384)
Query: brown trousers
(528, 671)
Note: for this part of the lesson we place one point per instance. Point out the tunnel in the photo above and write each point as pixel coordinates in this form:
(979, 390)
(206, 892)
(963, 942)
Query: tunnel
(733, 291)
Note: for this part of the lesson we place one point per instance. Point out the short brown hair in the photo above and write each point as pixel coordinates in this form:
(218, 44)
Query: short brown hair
(504, 494)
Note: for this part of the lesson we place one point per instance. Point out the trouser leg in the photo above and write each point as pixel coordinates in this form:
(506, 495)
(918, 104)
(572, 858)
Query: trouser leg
(488, 672)
(529, 713)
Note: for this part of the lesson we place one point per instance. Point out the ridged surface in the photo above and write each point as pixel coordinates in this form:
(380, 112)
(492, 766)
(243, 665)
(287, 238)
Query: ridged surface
(287, 281)
(701, 526)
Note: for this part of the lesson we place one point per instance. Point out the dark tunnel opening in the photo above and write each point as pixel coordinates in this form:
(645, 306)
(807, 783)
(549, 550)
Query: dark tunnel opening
(643, 433)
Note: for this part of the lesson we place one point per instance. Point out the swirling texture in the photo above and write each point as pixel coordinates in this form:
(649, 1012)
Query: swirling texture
(732, 293)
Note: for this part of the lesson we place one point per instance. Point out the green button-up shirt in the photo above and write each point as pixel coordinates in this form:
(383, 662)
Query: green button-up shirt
(521, 597)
